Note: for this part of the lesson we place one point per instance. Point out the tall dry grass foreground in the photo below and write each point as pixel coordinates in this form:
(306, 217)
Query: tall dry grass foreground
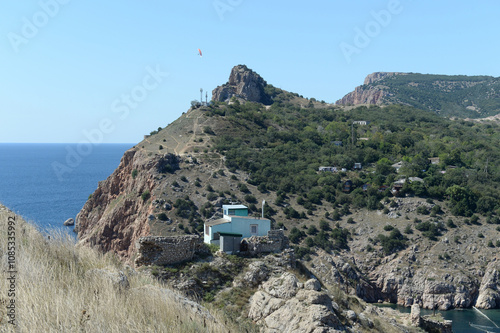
(53, 291)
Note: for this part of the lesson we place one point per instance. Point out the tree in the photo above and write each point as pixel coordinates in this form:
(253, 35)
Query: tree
(462, 200)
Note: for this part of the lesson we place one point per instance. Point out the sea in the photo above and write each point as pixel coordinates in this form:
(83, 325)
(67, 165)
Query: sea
(464, 320)
(49, 183)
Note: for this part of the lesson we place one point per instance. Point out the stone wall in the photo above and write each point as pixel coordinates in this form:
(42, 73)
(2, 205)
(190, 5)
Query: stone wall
(275, 241)
(430, 325)
(155, 250)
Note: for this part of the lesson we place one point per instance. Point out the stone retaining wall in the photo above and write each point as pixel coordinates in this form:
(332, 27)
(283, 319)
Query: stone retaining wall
(275, 241)
(155, 250)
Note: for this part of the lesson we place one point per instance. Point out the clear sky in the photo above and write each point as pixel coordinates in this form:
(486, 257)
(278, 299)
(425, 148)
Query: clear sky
(112, 71)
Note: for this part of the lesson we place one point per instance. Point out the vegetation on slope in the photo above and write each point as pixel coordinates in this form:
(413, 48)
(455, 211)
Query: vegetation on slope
(283, 147)
(458, 96)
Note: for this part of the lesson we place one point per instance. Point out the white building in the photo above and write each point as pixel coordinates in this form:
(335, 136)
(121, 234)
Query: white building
(235, 220)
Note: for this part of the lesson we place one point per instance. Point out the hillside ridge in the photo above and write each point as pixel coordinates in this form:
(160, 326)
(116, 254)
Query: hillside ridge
(447, 95)
(371, 198)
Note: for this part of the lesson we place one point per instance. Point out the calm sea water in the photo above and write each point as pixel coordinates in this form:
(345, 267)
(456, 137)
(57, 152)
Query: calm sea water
(482, 320)
(49, 183)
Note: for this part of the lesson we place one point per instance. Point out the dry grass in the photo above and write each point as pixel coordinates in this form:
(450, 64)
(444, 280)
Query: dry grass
(53, 294)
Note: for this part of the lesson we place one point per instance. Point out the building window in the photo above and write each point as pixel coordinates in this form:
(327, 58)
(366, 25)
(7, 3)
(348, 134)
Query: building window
(253, 229)
(232, 212)
(207, 230)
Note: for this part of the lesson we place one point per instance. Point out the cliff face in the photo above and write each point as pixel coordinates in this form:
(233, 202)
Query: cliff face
(377, 76)
(243, 83)
(362, 95)
(115, 216)
(369, 93)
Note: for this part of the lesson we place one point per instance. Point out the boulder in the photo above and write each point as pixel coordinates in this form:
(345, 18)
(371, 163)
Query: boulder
(285, 286)
(312, 284)
(69, 222)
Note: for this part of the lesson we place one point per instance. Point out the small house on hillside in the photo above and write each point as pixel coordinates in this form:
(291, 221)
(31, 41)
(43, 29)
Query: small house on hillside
(328, 169)
(235, 223)
(347, 187)
(397, 166)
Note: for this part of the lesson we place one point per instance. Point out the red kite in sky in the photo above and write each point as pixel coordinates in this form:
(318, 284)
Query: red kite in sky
(199, 52)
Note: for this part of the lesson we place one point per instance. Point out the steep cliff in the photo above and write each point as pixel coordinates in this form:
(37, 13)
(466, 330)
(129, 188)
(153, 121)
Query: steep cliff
(116, 214)
(370, 92)
(361, 95)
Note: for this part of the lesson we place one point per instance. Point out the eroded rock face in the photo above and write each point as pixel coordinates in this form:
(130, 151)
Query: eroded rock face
(368, 93)
(364, 95)
(116, 216)
(283, 304)
(489, 291)
(392, 279)
(243, 83)
(377, 76)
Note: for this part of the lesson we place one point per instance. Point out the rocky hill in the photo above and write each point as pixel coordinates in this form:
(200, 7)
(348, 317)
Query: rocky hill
(451, 96)
(431, 241)
(245, 84)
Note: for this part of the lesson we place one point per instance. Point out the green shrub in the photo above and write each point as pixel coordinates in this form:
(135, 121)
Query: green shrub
(394, 242)
(324, 225)
(162, 217)
(212, 196)
(312, 230)
(134, 173)
(250, 199)
(388, 227)
(428, 229)
(145, 195)
(422, 210)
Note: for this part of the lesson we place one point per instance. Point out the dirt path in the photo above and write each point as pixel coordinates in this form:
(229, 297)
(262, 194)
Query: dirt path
(193, 137)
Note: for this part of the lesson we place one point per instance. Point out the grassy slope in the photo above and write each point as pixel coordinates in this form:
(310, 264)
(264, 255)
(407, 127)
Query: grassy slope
(53, 294)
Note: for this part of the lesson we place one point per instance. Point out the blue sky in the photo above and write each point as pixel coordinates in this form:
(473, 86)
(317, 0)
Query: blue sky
(112, 71)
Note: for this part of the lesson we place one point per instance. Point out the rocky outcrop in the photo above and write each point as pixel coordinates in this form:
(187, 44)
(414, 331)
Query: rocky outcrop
(489, 291)
(243, 83)
(364, 95)
(377, 76)
(116, 214)
(284, 305)
(394, 280)
(69, 222)
(369, 93)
